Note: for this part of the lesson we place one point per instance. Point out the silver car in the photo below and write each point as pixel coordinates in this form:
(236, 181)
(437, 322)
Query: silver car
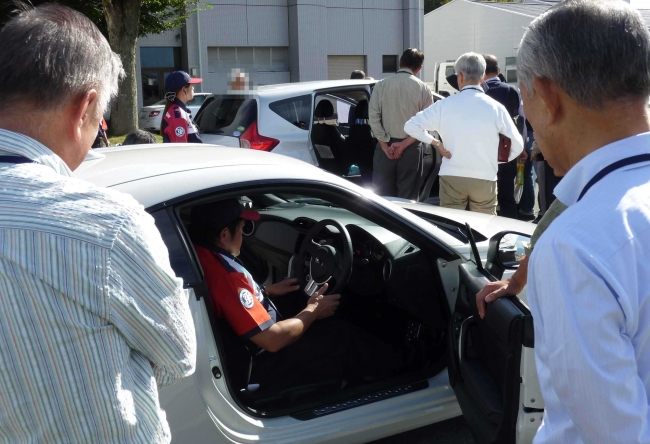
(324, 123)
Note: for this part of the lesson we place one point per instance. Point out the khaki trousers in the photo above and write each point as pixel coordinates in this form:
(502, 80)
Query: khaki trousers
(456, 192)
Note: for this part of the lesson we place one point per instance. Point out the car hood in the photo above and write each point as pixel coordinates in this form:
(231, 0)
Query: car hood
(485, 224)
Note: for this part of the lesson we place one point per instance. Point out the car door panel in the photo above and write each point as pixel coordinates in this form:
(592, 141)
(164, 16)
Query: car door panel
(485, 361)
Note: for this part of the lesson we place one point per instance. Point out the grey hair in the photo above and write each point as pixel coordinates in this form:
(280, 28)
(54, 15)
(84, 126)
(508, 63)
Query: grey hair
(595, 50)
(472, 65)
(52, 54)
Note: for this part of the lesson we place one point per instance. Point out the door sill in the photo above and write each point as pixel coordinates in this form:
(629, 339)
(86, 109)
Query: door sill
(357, 402)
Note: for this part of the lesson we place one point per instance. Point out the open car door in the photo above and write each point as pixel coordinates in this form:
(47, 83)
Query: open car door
(491, 361)
(342, 142)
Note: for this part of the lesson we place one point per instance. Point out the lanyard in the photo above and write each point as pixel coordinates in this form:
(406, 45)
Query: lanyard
(475, 88)
(613, 167)
(16, 159)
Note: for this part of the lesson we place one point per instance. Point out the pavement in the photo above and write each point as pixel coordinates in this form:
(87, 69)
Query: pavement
(452, 431)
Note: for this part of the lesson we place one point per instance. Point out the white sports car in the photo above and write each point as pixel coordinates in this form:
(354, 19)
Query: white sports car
(409, 279)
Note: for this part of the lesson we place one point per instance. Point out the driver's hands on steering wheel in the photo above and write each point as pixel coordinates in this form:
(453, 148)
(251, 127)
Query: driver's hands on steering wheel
(283, 287)
(323, 306)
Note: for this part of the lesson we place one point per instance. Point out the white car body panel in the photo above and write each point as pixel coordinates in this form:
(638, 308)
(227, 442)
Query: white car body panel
(294, 141)
(200, 408)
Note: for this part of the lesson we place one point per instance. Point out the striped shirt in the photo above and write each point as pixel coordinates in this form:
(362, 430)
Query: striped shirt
(93, 321)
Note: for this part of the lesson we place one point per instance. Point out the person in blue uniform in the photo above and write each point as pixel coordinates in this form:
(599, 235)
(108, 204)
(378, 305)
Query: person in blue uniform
(177, 125)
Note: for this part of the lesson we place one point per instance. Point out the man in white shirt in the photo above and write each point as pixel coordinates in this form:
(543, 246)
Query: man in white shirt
(589, 274)
(469, 123)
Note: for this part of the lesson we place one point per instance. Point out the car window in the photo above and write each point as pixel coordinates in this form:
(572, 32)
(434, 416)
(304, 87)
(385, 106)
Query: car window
(160, 102)
(196, 101)
(295, 110)
(227, 115)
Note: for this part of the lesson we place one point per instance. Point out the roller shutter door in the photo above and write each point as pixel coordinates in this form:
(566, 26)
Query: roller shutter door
(340, 67)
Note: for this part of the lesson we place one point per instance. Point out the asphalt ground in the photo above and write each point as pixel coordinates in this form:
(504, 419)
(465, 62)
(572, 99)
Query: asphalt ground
(452, 431)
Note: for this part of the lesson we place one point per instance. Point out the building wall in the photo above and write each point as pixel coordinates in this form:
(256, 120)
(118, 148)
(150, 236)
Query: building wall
(311, 30)
(172, 38)
(462, 26)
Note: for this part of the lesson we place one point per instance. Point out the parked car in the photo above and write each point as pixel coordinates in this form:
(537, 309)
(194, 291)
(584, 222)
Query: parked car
(150, 116)
(410, 283)
(324, 123)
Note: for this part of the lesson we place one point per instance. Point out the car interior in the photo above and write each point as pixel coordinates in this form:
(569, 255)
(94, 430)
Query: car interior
(386, 275)
(344, 144)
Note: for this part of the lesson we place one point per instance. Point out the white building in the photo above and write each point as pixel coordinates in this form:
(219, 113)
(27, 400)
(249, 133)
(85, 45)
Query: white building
(487, 28)
(279, 41)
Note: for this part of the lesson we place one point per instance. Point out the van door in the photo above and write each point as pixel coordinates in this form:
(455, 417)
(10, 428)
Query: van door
(491, 363)
(329, 131)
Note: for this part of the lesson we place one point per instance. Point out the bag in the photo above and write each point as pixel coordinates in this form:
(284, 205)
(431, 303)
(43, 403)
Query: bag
(504, 148)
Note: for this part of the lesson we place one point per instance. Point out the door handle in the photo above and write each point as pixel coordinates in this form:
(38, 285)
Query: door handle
(464, 327)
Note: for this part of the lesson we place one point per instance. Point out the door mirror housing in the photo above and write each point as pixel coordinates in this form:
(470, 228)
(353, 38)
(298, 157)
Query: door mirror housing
(506, 251)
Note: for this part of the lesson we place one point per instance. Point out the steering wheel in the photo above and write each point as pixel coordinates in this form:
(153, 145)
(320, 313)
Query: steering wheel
(325, 262)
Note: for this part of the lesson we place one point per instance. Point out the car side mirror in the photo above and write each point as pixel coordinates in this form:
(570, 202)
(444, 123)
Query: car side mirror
(506, 251)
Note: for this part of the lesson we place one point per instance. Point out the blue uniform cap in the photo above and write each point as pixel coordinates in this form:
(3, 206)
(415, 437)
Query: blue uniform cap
(179, 79)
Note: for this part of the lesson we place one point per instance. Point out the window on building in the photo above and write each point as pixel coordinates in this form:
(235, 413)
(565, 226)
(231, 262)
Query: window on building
(295, 110)
(156, 64)
(511, 75)
(389, 63)
(511, 69)
(160, 57)
(259, 59)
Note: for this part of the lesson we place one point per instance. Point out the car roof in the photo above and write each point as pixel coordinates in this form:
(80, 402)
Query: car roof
(298, 88)
(157, 173)
(109, 167)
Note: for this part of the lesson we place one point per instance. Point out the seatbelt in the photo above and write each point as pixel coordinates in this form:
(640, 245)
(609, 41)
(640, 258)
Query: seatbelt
(613, 167)
(16, 159)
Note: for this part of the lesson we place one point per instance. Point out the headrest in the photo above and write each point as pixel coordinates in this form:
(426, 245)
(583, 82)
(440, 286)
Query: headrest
(361, 111)
(324, 110)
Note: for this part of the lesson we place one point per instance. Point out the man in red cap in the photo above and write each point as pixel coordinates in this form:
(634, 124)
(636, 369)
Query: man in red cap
(310, 351)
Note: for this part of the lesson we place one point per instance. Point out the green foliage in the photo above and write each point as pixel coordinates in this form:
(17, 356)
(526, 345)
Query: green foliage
(430, 5)
(156, 16)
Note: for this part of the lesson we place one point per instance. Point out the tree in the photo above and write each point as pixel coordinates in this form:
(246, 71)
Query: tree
(430, 5)
(122, 22)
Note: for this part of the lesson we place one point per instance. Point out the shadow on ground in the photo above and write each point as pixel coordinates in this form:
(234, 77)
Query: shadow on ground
(452, 431)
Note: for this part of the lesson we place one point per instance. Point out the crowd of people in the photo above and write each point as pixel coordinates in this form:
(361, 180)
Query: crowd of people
(469, 130)
(93, 320)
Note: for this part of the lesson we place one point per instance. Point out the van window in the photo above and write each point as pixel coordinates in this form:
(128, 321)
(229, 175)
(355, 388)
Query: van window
(449, 71)
(295, 110)
(228, 115)
(197, 100)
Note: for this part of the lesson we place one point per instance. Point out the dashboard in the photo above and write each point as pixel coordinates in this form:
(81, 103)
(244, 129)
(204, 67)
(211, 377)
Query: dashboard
(384, 264)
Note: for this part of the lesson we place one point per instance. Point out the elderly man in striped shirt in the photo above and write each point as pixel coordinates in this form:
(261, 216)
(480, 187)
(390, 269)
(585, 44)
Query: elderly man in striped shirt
(93, 320)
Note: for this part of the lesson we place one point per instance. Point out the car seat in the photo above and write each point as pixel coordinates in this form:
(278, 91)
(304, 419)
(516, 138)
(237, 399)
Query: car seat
(360, 145)
(327, 140)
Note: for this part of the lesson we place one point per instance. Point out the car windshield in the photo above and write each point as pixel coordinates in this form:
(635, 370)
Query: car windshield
(300, 199)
